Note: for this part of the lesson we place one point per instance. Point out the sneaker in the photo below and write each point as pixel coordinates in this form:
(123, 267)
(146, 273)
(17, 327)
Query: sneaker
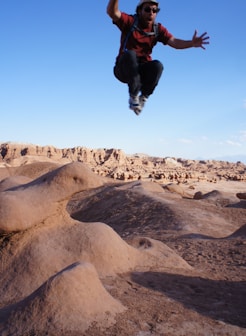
(134, 104)
(142, 101)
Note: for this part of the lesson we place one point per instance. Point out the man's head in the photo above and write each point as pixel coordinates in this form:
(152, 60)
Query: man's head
(147, 2)
(147, 11)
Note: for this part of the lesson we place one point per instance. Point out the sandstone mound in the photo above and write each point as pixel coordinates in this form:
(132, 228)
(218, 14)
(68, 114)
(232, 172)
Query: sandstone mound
(50, 239)
(68, 302)
(35, 169)
(241, 196)
(216, 197)
(4, 171)
(212, 195)
(32, 168)
(31, 203)
(175, 188)
(37, 254)
(13, 181)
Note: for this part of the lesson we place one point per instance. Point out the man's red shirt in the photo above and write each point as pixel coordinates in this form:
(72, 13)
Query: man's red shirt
(138, 42)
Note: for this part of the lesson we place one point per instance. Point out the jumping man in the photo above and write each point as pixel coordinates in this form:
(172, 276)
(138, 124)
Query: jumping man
(139, 34)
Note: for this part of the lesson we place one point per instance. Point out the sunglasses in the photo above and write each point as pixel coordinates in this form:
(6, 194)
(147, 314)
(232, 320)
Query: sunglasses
(150, 9)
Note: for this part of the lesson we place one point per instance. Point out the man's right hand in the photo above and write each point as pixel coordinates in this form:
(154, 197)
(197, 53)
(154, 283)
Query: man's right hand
(113, 10)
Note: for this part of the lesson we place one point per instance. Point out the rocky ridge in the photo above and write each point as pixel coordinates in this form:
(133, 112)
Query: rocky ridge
(116, 164)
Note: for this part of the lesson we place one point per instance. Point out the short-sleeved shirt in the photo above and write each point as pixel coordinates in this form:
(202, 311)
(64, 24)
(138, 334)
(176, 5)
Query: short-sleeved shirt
(137, 41)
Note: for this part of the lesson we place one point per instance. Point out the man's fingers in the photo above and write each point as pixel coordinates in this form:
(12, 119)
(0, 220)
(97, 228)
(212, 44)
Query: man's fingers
(203, 34)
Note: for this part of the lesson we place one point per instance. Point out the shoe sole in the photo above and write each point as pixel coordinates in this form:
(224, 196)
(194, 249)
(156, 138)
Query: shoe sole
(135, 109)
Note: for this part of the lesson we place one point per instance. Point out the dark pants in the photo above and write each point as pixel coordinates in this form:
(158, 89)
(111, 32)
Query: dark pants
(139, 76)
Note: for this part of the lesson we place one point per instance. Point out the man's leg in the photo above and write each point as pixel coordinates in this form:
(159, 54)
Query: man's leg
(150, 73)
(127, 71)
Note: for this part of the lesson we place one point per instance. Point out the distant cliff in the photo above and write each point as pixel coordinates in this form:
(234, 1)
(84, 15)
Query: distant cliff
(116, 164)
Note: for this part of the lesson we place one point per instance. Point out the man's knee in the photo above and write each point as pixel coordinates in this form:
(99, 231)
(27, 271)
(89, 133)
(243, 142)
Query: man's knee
(158, 66)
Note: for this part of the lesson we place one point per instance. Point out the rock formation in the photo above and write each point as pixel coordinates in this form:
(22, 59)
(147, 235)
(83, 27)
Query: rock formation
(116, 164)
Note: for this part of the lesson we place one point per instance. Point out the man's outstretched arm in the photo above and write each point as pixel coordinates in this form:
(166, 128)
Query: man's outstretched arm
(196, 42)
(113, 10)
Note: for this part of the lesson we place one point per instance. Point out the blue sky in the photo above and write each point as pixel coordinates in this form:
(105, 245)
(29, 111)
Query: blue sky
(57, 85)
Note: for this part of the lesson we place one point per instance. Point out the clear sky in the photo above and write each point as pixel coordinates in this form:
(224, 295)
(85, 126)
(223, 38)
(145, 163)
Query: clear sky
(57, 85)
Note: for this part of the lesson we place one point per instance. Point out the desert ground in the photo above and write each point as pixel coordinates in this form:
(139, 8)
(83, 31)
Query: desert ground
(96, 243)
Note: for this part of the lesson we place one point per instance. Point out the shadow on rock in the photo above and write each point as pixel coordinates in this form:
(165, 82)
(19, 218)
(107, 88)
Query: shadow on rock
(239, 205)
(218, 299)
